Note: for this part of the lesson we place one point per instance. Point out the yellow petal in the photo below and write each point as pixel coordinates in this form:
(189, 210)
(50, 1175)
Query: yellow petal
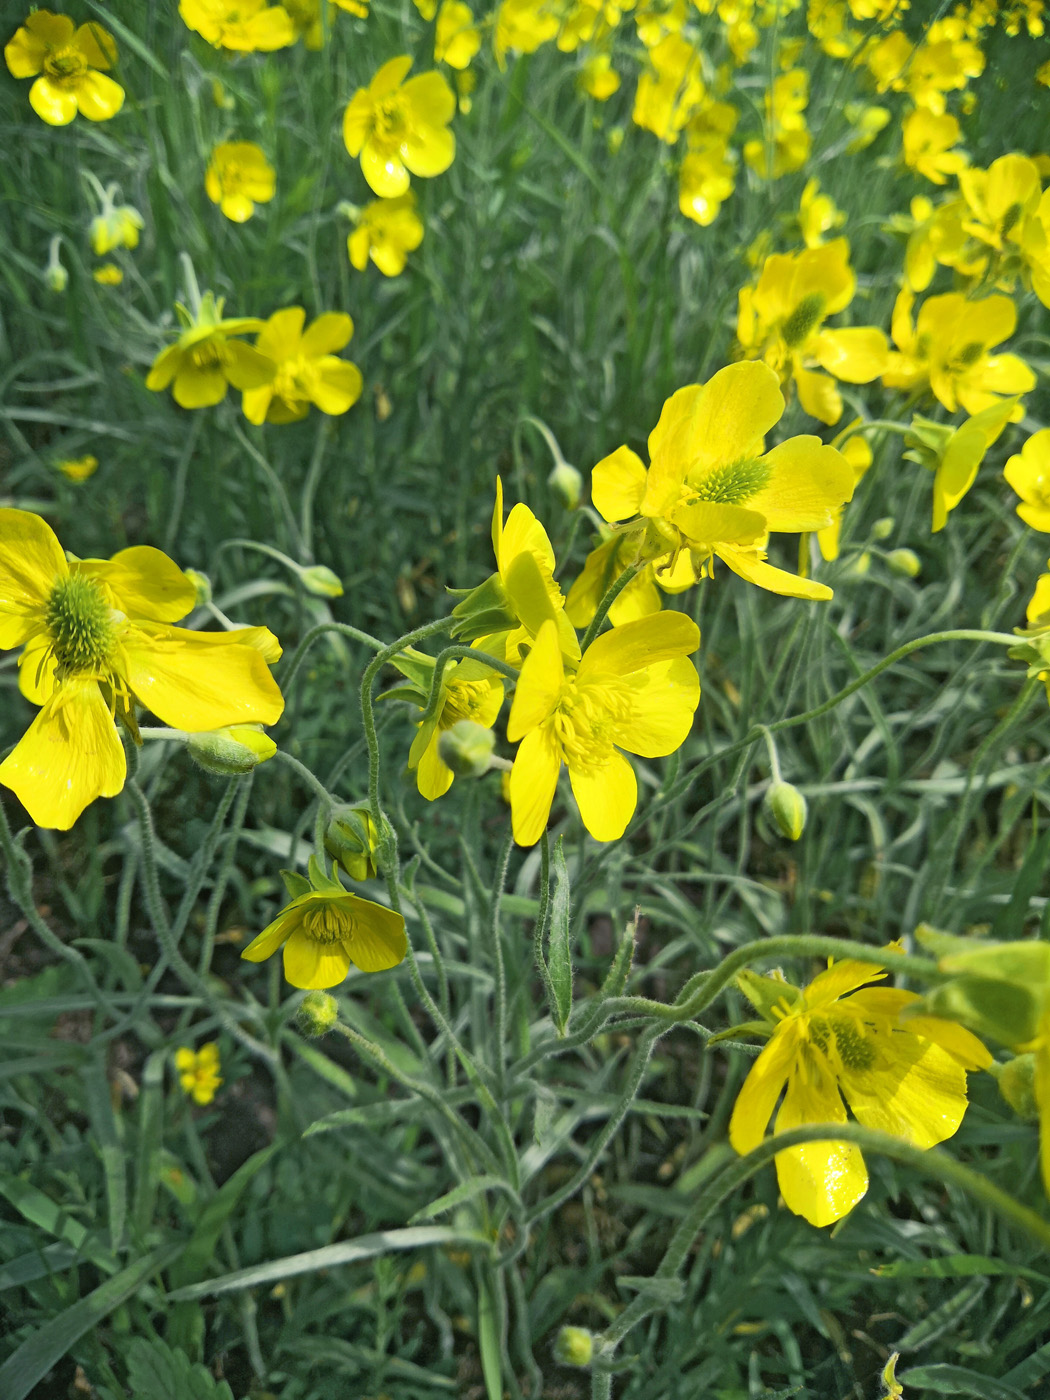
(759, 1093)
(265, 944)
(338, 385)
(539, 684)
(624, 650)
(606, 796)
(53, 104)
(99, 97)
(818, 395)
(390, 76)
(821, 1181)
(146, 582)
(757, 571)
(429, 150)
(533, 782)
(708, 523)
(856, 354)
(36, 669)
(194, 684)
(1042, 1099)
(662, 710)
(808, 482)
(841, 978)
(379, 940)
(31, 563)
(245, 367)
(433, 776)
(523, 533)
(327, 334)
(915, 1090)
(314, 966)
(431, 99)
(70, 755)
(197, 388)
(384, 170)
(618, 485)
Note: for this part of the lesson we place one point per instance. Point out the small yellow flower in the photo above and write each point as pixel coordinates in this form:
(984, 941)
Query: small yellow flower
(469, 690)
(670, 89)
(68, 61)
(523, 26)
(706, 179)
(96, 638)
(117, 226)
(242, 26)
(386, 231)
(598, 78)
(789, 135)
(817, 215)
(955, 454)
(206, 358)
(108, 275)
(78, 468)
(635, 689)
(398, 127)
(199, 1071)
(325, 929)
(307, 369)
(906, 1078)
(457, 38)
(929, 142)
(866, 122)
(238, 178)
(712, 491)
(1028, 472)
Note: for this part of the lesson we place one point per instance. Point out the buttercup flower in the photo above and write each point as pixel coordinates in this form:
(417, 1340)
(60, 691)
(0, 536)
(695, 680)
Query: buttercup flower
(955, 454)
(670, 89)
(108, 275)
(602, 567)
(117, 226)
(712, 491)
(387, 231)
(947, 348)
(243, 26)
(469, 690)
(325, 929)
(307, 369)
(397, 127)
(903, 1077)
(199, 1071)
(817, 215)
(781, 320)
(78, 468)
(635, 689)
(68, 61)
(96, 639)
(238, 178)
(206, 358)
(1028, 472)
(457, 38)
(929, 143)
(786, 104)
(504, 614)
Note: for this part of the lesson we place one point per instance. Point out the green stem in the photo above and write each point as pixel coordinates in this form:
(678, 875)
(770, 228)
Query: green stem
(609, 597)
(501, 974)
(344, 629)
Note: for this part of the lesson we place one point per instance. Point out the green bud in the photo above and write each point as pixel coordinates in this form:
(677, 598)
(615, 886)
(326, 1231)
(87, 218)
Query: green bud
(467, 748)
(231, 751)
(202, 583)
(566, 483)
(884, 528)
(1016, 1080)
(859, 567)
(318, 1012)
(787, 807)
(1025, 961)
(904, 561)
(56, 276)
(350, 838)
(574, 1346)
(321, 581)
(894, 1389)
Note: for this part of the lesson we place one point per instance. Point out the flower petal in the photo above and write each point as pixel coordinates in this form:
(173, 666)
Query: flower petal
(606, 796)
(636, 645)
(195, 684)
(379, 940)
(748, 565)
(147, 583)
(618, 485)
(662, 709)
(808, 482)
(759, 1093)
(99, 97)
(821, 1181)
(70, 755)
(429, 150)
(539, 685)
(327, 334)
(533, 782)
(55, 105)
(31, 562)
(338, 385)
(314, 966)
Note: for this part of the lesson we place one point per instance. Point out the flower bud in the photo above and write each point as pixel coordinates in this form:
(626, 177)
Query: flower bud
(574, 1346)
(467, 748)
(883, 528)
(904, 561)
(321, 581)
(350, 838)
(787, 807)
(318, 1012)
(566, 483)
(860, 566)
(231, 751)
(57, 277)
(202, 583)
(1016, 1080)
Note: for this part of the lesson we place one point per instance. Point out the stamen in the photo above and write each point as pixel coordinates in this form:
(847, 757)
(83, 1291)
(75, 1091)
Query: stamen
(731, 483)
(328, 923)
(79, 621)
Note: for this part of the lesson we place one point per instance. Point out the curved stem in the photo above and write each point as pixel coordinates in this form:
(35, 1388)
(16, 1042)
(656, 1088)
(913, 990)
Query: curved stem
(609, 597)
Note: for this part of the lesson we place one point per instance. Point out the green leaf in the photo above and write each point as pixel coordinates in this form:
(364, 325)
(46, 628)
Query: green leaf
(158, 1372)
(464, 1192)
(615, 982)
(956, 1266)
(559, 958)
(150, 1133)
(332, 1256)
(39, 1352)
(41, 1210)
(201, 1247)
(99, 1104)
(295, 883)
(488, 1336)
(958, 1380)
(946, 1316)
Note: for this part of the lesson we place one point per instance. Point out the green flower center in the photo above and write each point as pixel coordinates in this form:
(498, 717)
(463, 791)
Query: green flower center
(79, 621)
(328, 923)
(66, 63)
(803, 320)
(730, 483)
(968, 355)
(390, 124)
(1009, 220)
(844, 1036)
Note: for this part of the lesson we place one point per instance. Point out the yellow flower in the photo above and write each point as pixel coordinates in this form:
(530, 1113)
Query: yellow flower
(387, 231)
(78, 468)
(947, 349)
(857, 453)
(712, 491)
(789, 136)
(117, 226)
(307, 369)
(238, 178)
(325, 929)
(205, 358)
(1028, 472)
(503, 615)
(397, 127)
(456, 38)
(108, 275)
(598, 78)
(935, 235)
(635, 689)
(928, 143)
(817, 215)
(469, 690)
(68, 61)
(670, 89)
(781, 320)
(706, 179)
(199, 1071)
(906, 1078)
(96, 639)
(866, 122)
(524, 26)
(243, 26)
